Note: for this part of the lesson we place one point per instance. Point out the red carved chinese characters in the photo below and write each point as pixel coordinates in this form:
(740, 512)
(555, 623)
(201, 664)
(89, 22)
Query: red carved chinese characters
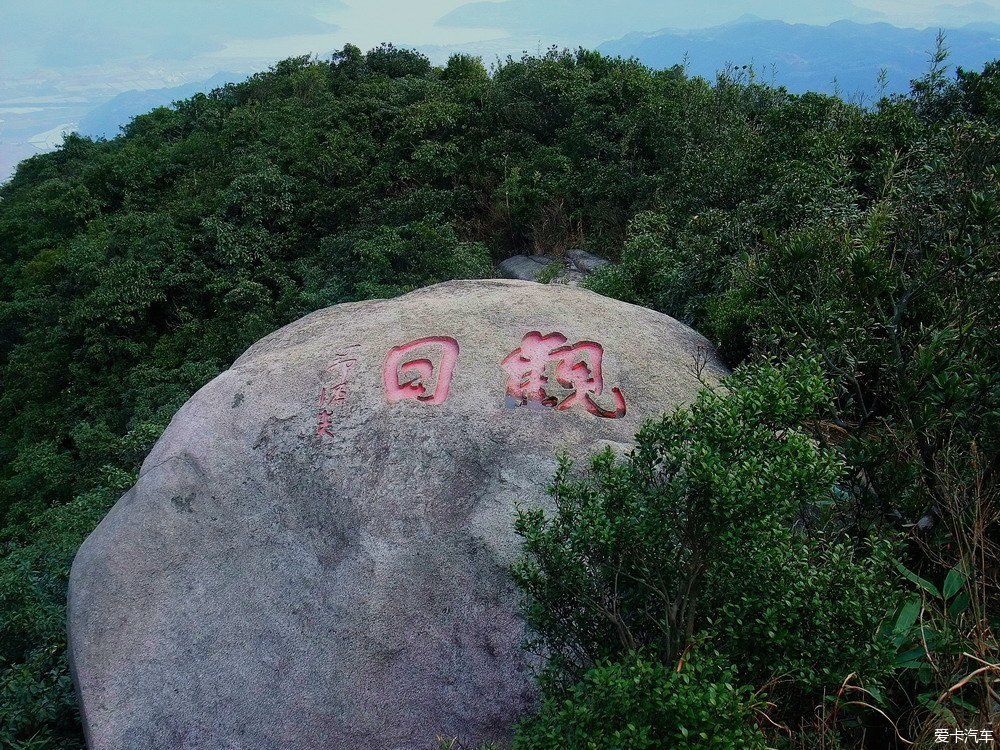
(333, 392)
(545, 370)
(407, 375)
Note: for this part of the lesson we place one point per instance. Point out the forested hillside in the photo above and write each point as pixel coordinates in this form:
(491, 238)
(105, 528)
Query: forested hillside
(845, 258)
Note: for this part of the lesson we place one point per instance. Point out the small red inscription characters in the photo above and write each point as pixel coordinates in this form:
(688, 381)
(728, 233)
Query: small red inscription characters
(546, 370)
(407, 375)
(333, 392)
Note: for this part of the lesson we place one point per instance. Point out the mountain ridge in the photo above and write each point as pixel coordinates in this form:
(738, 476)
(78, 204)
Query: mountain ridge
(841, 57)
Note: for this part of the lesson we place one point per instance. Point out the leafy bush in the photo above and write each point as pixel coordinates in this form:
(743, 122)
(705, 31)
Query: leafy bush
(642, 704)
(720, 528)
(36, 691)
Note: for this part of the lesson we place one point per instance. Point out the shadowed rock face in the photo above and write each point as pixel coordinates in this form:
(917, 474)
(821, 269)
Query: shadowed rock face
(315, 553)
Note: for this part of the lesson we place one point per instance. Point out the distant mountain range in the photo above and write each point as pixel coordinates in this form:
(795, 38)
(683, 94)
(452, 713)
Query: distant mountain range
(843, 56)
(586, 20)
(106, 120)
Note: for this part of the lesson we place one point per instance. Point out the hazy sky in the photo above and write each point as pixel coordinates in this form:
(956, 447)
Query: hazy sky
(63, 35)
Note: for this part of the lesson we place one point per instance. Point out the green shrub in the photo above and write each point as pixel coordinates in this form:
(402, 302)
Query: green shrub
(642, 704)
(36, 691)
(721, 527)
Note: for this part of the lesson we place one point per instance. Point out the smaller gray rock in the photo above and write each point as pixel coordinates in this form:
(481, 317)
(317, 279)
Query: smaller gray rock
(527, 267)
(569, 276)
(574, 268)
(586, 262)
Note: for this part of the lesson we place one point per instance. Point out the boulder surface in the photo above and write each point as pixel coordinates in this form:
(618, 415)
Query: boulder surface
(315, 553)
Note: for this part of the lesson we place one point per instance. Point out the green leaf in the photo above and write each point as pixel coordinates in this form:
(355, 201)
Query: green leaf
(958, 605)
(953, 581)
(912, 659)
(907, 616)
(923, 583)
(941, 712)
(963, 704)
(876, 693)
(925, 674)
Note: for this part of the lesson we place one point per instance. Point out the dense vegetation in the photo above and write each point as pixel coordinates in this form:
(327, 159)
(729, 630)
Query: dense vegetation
(848, 258)
(714, 537)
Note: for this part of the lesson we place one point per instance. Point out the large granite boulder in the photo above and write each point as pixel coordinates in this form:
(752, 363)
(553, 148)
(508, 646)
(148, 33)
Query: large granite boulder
(315, 554)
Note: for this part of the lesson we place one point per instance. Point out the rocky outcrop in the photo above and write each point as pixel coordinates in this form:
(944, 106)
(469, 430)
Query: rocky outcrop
(575, 266)
(315, 553)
